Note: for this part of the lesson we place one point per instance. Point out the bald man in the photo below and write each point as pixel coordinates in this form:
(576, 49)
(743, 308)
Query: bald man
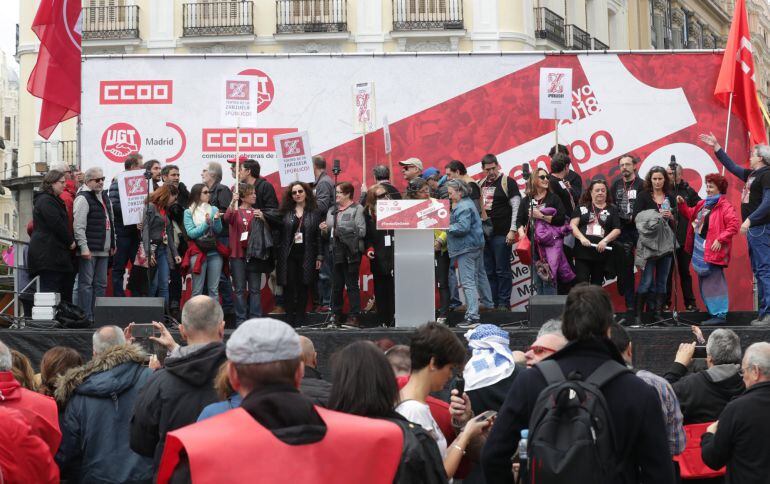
(313, 385)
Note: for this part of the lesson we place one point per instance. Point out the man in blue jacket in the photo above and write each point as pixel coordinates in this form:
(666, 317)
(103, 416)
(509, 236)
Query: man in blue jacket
(99, 398)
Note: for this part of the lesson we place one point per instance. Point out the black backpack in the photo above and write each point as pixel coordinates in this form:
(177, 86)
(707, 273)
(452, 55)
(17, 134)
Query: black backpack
(571, 434)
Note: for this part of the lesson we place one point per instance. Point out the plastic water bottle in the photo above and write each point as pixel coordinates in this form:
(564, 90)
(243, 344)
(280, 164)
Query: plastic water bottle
(666, 205)
(523, 447)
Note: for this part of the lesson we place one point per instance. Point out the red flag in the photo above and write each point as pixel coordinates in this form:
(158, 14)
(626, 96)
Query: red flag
(56, 76)
(736, 76)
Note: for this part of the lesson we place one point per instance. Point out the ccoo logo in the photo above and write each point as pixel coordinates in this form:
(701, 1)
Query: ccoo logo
(265, 88)
(119, 141)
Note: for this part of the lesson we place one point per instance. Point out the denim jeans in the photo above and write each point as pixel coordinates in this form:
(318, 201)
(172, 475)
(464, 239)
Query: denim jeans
(759, 252)
(660, 268)
(92, 282)
(454, 291)
(211, 269)
(244, 280)
(160, 274)
(470, 264)
(541, 287)
(497, 261)
(126, 247)
(325, 282)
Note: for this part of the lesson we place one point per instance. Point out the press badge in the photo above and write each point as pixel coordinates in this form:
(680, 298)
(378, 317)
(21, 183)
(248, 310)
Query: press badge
(632, 194)
(297, 237)
(595, 229)
(387, 241)
(244, 236)
(561, 184)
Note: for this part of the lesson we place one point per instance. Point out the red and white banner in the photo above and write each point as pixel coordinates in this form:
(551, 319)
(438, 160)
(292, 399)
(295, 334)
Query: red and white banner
(654, 105)
(412, 214)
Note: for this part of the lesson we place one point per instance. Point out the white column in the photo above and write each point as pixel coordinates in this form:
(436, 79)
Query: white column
(485, 32)
(161, 38)
(369, 35)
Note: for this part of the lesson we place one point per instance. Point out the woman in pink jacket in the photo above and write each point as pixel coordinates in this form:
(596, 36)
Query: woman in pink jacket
(713, 223)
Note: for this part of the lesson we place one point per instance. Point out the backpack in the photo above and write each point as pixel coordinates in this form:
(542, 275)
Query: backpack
(571, 434)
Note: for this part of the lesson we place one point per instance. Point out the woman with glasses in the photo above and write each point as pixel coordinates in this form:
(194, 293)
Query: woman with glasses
(346, 227)
(158, 239)
(595, 224)
(299, 249)
(52, 242)
(202, 224)
(545, 207)
(379, 251)
(244, 222)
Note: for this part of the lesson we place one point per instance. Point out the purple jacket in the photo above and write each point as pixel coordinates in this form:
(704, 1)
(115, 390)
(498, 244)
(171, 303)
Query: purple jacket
(549, 241)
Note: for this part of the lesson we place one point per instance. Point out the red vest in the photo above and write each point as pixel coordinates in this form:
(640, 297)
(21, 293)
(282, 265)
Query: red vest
(691, 464)
(234, 447)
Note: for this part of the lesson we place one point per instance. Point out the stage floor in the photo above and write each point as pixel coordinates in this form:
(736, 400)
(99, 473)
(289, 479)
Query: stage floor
(654, 348)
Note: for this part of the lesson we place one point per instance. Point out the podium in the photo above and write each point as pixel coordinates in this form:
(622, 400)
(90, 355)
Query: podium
(414, 222)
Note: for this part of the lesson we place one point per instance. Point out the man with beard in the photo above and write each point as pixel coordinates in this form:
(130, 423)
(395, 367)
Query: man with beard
(170, 175)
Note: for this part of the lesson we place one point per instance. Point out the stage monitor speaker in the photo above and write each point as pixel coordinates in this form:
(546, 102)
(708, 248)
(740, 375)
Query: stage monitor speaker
(545, 308)
(121, 311)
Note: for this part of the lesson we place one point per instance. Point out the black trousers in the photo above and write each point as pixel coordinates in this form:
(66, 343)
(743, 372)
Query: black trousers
(57, 281)
(683, 260)
(385, 295)
(345, 275)
(442, 281)
(295, 292)
(590, 271)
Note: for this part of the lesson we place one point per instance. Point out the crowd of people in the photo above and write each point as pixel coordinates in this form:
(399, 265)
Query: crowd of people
(431, 411)
(312, 241)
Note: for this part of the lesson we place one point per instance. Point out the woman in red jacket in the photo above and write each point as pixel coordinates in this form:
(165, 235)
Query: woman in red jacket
(713, 223)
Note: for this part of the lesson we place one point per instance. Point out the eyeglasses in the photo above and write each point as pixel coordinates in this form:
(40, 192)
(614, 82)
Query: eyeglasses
(382, 195)
(543, 177)
(539, 350)
(97, 180)
(297, 192)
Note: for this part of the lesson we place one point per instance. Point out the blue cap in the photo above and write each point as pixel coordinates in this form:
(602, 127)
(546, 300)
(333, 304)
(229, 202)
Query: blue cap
(430, 172)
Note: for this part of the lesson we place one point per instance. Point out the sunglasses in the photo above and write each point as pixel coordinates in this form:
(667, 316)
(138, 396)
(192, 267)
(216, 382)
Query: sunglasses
(382, 195)
(97, 179)
(539, 350)
(543, 177)
(297, 192)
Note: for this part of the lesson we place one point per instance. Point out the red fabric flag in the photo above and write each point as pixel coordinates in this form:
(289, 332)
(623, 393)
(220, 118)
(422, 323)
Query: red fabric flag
(736, 76)
(56, 76)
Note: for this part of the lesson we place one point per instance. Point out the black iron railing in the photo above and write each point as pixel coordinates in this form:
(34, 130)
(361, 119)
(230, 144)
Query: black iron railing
(427, 14)
(599, 45)
(218, 18)
(111, 23)
(549, 25)
(576, 38)
(299, 16)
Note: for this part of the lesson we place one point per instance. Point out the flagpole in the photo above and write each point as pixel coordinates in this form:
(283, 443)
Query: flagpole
(727, 131)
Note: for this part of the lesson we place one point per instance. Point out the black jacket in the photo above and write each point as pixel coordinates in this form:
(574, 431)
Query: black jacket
(740, 441)
(266, 198)
(220, 197)
(323, 189)
(49, 246)
(684, 190)
(314, 387)
(634, 406)
(421, 461)
(703, 395)
(382, 264)
(311, 239)
(99, 398)
(493, 396)
(550, 200)
(173, 397)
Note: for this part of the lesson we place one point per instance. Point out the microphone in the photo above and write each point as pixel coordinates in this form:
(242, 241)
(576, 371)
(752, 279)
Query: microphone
(672, 164)
(525, 171)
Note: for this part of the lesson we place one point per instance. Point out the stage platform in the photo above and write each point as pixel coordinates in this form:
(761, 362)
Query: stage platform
(654, 347)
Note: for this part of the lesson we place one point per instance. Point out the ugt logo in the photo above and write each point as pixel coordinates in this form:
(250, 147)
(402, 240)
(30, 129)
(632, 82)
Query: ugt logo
(119, 141)
(238, 90)
(555, 84)
(292, 147)
(135, 185)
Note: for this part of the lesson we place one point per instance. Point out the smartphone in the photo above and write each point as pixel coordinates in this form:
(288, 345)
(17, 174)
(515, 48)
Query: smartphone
(144, 331)
(459, 386)
(700, 352)
(486, 415)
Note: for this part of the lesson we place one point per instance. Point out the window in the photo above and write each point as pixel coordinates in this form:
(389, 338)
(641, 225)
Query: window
(7, 221)
(7, 131)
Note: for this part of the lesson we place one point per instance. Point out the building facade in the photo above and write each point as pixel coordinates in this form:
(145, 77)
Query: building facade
(9, 141)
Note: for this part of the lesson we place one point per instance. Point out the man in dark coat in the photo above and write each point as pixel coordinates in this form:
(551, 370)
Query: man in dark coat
(739, 438)
(323, 188)
(175, 395)
(313, 384)
(99, 398)
(126, 236)
(703, 395)
(170, 175)
(633, 405)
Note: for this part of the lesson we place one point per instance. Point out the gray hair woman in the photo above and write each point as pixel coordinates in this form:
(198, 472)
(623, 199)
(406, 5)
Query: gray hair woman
(465, 242)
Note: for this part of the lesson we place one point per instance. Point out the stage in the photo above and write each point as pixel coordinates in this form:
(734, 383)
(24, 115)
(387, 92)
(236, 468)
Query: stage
(654, 347)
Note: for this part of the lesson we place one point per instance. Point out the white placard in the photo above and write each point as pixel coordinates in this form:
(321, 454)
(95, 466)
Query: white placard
(295, 161)
(555, 93)
(386, 135)
(239, 101)
(363, 107)
(133, 189)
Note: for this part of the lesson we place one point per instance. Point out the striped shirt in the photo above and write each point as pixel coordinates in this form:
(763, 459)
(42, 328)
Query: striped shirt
(672, 414)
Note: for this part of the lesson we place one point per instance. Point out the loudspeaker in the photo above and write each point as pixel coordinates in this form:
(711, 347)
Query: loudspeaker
(545, 308)
(121, 311)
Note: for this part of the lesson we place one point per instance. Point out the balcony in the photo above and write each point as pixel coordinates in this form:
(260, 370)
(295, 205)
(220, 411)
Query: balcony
(111, 23)
(68, 152)
(411, 15)
(217, 19)
(599, 45)
(549, 26)
(577, 38)
(311, 16)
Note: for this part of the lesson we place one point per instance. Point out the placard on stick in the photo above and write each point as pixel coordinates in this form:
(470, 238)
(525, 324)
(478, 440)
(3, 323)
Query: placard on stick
(555, 93)
(132, 189)
(295, 162)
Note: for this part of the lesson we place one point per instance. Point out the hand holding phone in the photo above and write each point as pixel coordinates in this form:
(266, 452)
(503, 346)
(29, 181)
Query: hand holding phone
(143, 331)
